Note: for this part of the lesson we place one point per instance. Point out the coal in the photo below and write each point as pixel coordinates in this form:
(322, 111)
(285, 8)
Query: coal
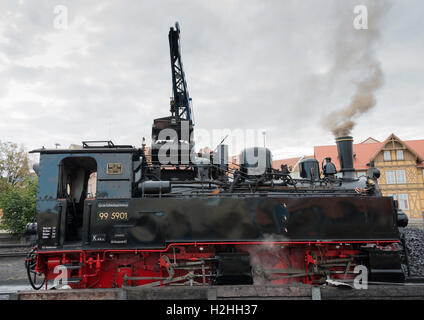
(414, 239)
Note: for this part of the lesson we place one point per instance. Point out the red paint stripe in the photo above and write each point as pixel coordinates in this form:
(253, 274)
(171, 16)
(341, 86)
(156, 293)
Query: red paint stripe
(223, 243)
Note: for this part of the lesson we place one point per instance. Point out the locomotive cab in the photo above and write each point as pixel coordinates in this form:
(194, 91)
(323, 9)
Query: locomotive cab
(71, 181)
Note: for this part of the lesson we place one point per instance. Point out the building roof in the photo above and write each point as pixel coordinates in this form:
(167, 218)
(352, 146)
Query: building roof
(393, 137)
(418, 147)
(370, 140)
(290, 162)
(364, 152)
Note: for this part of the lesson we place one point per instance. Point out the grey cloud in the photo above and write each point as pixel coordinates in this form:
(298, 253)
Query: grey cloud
(249, 64)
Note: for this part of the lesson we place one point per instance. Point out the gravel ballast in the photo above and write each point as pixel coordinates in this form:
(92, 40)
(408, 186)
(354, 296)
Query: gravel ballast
(414, 239)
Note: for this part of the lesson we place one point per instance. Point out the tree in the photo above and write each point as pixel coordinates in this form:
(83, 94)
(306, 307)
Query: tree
(14, 163)
(18, 205)
(18, 188)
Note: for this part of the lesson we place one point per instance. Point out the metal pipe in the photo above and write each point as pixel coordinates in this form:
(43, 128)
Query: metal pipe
(345, 151)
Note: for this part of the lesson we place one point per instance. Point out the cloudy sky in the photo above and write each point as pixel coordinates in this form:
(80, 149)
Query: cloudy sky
(250, 65)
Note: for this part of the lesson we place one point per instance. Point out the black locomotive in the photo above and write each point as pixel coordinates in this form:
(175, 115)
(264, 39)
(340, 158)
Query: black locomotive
(167, 216)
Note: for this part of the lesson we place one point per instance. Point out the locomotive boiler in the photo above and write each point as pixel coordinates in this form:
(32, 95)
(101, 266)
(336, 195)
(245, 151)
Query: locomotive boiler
(168, 216)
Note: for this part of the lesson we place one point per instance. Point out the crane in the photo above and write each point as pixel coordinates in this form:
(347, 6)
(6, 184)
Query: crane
(181, 103)
(181, 120)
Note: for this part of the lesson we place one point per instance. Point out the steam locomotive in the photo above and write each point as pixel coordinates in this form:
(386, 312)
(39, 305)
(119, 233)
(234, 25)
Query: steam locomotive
(169, 216)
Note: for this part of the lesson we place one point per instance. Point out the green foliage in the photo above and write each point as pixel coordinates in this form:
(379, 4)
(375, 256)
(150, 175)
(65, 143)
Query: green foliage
(14, 163)
(18, 188)
(18, 205)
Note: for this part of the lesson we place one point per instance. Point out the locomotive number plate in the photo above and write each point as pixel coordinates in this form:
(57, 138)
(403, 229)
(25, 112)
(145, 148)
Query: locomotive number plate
(114, 168)
(111, 216)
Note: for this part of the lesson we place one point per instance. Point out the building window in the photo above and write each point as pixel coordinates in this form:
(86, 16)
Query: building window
(390, 177)
(393, 195)
(403, 201)
(399, 154)
(387, 156)
(400, 176)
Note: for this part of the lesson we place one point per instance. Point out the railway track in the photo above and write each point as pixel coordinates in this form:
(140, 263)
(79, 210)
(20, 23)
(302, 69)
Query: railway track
(14, 250)
(11, 246)
(13, 254)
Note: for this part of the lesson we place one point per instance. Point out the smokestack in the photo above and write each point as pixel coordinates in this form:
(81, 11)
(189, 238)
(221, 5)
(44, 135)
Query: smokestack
(345, 151)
